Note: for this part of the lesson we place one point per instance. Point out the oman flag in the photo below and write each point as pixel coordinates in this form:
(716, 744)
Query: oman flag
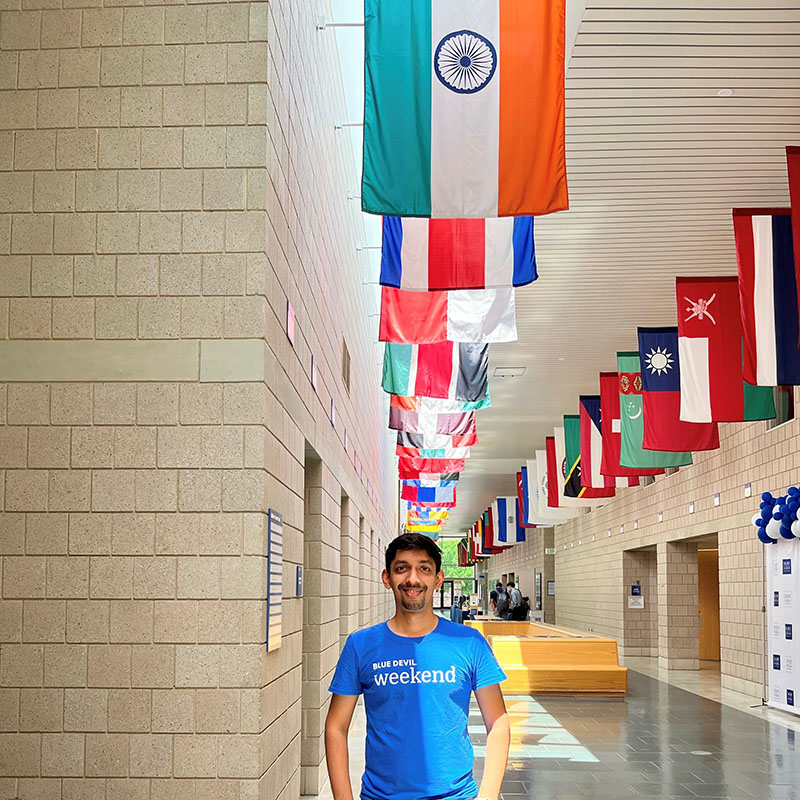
(612, 431)
(428, 255)
(661, 397)
(447, 370)
(470, 315)
(710, 337)
(767, 295)
(464, 108)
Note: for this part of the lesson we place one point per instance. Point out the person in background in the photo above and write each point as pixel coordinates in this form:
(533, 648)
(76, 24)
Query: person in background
(417, 673)
(498, 600)
(514, 600)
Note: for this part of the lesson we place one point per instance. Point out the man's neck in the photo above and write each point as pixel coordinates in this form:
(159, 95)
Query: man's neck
(419, 623)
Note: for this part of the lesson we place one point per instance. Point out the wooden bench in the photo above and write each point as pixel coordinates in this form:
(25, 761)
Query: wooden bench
(543, 659)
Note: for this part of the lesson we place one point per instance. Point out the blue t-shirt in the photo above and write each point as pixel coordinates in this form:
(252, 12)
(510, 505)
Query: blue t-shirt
(417, 692)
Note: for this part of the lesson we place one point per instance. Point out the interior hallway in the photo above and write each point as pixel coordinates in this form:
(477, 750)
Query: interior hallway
(662, 742)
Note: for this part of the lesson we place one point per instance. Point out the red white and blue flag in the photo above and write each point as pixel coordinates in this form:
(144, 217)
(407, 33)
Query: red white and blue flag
(768, 295)
(429, 255)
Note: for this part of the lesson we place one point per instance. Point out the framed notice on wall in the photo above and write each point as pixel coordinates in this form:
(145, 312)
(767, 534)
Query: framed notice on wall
(274, 579)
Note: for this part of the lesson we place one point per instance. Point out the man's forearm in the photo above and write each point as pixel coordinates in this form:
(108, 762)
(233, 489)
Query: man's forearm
(338, 761)
(498, 740)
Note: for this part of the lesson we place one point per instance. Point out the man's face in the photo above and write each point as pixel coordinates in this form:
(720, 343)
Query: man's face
(413, 579)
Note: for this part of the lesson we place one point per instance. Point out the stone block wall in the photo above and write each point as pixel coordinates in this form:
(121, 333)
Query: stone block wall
(170, 179)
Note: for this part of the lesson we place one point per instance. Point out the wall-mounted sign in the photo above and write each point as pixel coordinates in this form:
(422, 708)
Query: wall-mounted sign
(551, 588)
(290, 323)
(274, 579)
(636, 590)
(635, 601)
(549, 551)
(298, 591)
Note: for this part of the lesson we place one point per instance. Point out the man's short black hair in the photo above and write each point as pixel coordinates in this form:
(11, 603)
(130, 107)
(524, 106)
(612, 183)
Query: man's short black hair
(512, 584)
(413, 541)
(499, 583)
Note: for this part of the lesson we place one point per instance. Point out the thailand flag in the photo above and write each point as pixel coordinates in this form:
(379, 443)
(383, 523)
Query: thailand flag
(767, 295)
(664, 430)
(428, 255)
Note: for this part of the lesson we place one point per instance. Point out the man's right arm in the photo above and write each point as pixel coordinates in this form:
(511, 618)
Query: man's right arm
(337, 725)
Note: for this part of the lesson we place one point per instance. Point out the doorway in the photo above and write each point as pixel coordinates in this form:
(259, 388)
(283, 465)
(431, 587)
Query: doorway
(708, 601)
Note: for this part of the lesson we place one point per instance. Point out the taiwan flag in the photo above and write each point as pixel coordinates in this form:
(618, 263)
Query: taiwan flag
(446, 370)
(464, 108)
(612, 430)
(767, 295)
(661, 397)
(427, 255)
(710, 341)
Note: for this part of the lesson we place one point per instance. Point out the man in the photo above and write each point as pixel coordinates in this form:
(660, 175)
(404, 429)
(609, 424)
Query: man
(417, 672)
(498, 598)
(514, 600)
(493, 596)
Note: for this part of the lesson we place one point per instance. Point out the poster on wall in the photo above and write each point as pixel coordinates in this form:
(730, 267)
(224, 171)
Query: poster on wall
(274, 579)
(783, 591)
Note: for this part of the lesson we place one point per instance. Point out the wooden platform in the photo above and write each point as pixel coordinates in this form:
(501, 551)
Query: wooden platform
(544, 659)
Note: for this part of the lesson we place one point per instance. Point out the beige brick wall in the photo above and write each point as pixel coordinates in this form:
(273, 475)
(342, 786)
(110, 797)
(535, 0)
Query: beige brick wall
(592, 575)
(170, 177)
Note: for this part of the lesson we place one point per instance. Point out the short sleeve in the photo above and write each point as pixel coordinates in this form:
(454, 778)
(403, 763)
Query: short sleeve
(485, 669)
(346, 679)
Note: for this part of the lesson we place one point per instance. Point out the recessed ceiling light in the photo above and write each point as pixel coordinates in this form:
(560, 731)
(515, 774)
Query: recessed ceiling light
(508, 372)
(561, 358)
(725, 93)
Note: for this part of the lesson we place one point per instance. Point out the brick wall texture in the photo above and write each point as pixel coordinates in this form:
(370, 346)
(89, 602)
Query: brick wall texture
(171, 179)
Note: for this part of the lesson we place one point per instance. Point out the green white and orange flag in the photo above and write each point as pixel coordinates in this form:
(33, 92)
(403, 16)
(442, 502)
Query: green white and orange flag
(464, 108)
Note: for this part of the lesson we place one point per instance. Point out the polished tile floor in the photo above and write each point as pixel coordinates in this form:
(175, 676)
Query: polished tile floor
(659, 742)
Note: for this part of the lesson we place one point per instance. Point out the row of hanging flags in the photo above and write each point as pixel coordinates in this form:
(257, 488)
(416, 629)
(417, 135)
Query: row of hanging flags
(463, 147)
(737, 337)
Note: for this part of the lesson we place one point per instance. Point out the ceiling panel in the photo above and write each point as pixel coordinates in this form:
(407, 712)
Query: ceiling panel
(656, 160)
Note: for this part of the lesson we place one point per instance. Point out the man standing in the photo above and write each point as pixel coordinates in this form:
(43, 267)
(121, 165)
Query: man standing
(514, 600)
(417, 673)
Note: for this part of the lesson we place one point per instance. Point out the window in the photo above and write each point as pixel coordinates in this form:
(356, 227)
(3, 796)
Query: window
(784, 406)
(346, 366)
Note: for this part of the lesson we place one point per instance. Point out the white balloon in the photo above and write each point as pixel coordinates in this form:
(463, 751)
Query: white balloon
(756, 517)
(774, 528)
(796, 528)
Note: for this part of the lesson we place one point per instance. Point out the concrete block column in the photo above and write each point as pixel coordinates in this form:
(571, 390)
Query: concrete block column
(321, 546)
(640, 625)
(678, 620)
(364, 560)
(349, 570)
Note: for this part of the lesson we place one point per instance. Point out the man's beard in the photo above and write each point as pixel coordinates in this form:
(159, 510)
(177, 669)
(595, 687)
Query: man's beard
(411, 604)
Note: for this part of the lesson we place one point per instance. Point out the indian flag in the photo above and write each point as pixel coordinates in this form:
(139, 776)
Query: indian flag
(464, 108)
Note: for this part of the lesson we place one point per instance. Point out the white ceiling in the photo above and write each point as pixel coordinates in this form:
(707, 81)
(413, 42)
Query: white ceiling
(656, 160)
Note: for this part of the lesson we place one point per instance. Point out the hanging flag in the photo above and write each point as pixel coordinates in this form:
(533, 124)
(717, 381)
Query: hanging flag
(611, 429)
(710, 336)
(431, 255)
(446, 370)
(592, 448)
(448, 453)
(434, 479)
(430, 531)
(405, 439)
(573, 484)
(506, 520)
(632, 454)
(414, 467)
(661, 397)
(767, 295)
(559, 446)
(541, 513)
(464, 108)
(436, 405)
(523, 508)
(492, 530)
(793, 168)
(487, 534)
(431, 423)
(484, 316)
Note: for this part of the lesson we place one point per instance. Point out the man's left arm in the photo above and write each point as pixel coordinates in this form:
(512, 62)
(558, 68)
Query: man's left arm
(498, 739)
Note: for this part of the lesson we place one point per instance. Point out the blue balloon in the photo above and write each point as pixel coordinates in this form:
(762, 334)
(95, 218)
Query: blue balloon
(793, 491)
(762, 535)
(766, 513)
(766, 497)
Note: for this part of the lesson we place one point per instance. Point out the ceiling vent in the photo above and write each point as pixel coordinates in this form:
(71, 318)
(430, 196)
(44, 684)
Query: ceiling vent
(508, 372)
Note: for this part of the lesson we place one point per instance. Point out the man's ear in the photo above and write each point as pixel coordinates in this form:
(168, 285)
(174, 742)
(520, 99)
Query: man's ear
(385, 579)
(439, 579)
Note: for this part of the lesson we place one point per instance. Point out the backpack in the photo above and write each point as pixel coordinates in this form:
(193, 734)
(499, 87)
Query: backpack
(501, 604)
(516, 598)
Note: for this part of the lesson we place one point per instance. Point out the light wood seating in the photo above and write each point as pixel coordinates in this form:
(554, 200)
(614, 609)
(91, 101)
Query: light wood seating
(544, 659)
